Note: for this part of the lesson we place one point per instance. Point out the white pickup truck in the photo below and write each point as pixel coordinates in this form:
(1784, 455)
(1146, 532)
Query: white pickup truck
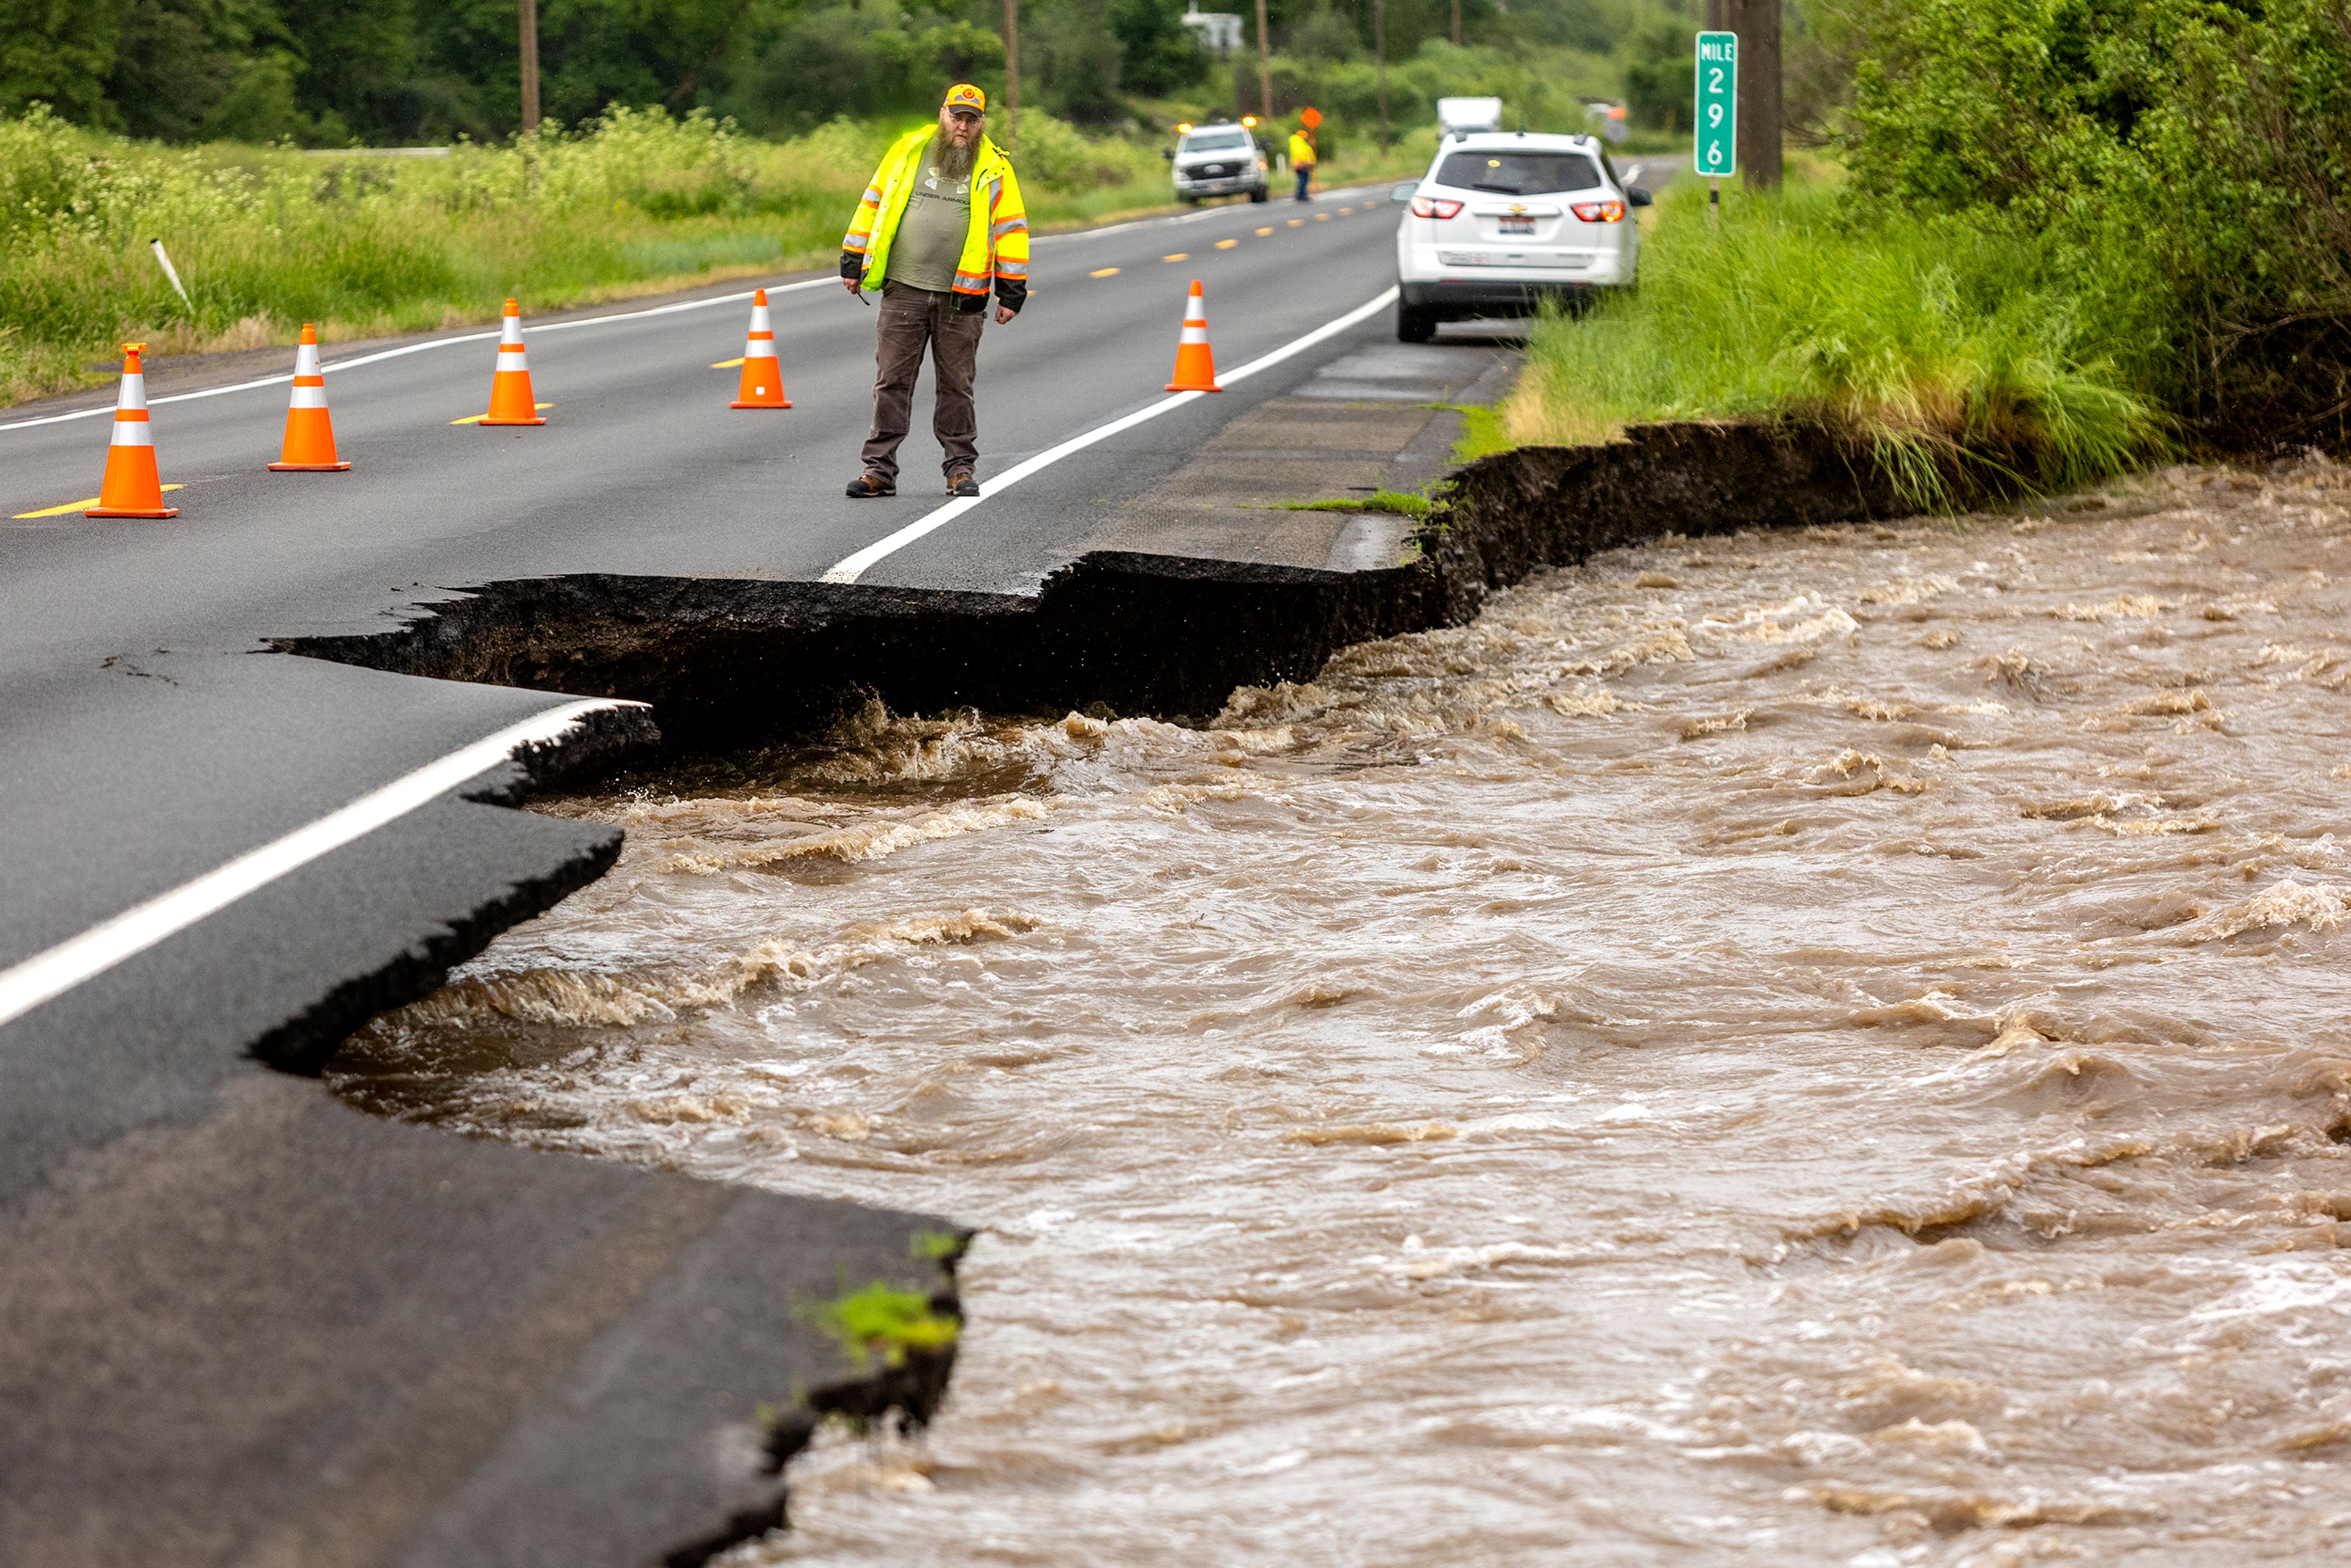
(1218, 159)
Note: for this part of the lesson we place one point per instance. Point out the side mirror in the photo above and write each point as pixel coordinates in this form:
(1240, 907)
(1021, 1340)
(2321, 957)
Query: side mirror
(1637, 197)
(1169, 153)
(1404, 191)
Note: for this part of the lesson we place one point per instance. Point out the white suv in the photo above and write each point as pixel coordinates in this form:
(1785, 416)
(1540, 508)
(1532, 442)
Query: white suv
(1503, 220)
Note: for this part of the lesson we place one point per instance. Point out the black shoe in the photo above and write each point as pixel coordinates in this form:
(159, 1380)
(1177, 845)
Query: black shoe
(865, 487)
(964, 485)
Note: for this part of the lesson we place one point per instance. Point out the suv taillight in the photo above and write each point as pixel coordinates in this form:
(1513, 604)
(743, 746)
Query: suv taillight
(1433, 207)
(1599, 212)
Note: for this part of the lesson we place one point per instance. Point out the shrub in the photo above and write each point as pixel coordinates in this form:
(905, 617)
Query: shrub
(2184, 166)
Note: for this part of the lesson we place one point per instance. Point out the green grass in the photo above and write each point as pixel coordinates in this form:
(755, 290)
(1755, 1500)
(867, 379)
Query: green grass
(1945, 352)
(1402, 503)
(269, 237)
(882, 1320)
(936, 1246)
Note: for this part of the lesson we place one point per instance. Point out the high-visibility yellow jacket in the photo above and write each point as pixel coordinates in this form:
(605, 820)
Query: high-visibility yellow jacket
(996, 247)
(1301, 151)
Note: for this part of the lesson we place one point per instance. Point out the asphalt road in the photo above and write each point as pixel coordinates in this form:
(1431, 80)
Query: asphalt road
(240, 1323)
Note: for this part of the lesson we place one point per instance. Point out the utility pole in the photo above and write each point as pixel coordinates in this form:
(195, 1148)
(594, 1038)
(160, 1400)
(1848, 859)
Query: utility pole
(1757, 23)
(1264, 72)
(1011, 70)
(1456, 24)
(1380, 53)
(529, 9)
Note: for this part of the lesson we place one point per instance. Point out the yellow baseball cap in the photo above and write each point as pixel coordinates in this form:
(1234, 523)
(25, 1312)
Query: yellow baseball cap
(963, 97)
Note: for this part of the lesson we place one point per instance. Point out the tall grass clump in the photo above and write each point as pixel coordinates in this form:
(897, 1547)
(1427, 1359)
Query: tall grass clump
(268, 237)
(1944, 353)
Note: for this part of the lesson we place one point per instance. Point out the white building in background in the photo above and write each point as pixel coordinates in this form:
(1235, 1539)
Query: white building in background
(1219, 32)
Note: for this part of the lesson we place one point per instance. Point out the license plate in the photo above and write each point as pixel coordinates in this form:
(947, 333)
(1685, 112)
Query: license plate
(1518, 225)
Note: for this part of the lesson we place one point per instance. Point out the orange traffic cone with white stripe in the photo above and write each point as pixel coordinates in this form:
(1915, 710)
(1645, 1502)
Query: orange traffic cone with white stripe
(510, 399)
(1196, 366)
(762, 385)
(309, 444)
(132, 489)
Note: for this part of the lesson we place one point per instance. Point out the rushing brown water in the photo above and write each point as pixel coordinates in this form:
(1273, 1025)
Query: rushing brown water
(1812, 1048)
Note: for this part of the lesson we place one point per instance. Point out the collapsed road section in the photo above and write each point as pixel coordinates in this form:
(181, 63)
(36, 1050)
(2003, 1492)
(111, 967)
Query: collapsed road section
(727, 663)
(295, 1334)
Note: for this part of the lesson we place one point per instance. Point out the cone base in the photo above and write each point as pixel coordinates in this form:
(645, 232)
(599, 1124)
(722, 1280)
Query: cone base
(510, 421)
(307, 467)
(784, 402)
(132, 512)
(1179, 386)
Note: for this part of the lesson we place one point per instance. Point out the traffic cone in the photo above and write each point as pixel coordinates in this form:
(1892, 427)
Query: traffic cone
(763, 379)
(131, 488)
(1196, 366)
(510, 399)
(309, 445)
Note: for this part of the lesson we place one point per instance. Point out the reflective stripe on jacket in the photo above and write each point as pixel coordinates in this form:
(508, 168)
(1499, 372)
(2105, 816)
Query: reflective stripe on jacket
(995, 247)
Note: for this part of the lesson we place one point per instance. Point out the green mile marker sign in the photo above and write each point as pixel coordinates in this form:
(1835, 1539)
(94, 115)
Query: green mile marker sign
(1715, 152)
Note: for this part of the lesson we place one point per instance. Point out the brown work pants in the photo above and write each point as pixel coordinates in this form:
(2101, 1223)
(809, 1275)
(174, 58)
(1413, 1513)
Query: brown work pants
(910, 319)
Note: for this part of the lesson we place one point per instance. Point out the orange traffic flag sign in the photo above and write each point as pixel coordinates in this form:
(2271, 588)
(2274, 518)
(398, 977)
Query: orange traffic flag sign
(132, 489)
(510, 401)
(309, 444)
(762, 385)
(1195, 365)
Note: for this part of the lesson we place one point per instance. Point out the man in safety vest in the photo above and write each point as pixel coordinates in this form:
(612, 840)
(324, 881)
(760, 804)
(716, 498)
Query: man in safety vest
(1302, 159)
(941, 222)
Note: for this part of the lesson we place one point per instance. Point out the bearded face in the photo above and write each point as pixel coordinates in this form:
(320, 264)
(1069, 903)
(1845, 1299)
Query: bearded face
(959, 143)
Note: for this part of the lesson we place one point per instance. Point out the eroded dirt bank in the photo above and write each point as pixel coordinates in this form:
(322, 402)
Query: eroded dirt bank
(1822, 1045)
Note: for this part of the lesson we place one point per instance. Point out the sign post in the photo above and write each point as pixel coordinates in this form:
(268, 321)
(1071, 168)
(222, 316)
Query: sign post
(1715, 147)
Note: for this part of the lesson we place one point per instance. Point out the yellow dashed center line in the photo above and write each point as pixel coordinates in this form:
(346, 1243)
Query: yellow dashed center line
(72, 507)
(728, 365)
(1103, 271)
(1321, 217)
(477, 418)
(1226, 244)
(1179, 255)
(1263, 232)
(1344, 211)
(1295, 222)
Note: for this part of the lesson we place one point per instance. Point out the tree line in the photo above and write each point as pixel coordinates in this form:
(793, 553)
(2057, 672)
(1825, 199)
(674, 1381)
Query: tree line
(329, 72)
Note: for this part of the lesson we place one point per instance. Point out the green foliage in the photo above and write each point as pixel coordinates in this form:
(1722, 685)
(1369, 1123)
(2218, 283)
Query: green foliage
(1052, 156)
(1937, 346)
(1158, 54)
(799, 67)
(1658, 76)
(1541, 90)
(1071, 60)
(2184, 165)
(882, 1320)
(58, 51)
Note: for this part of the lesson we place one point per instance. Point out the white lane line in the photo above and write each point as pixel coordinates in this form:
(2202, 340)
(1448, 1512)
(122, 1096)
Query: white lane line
(852, 568)
(48, 975)
(405, 350)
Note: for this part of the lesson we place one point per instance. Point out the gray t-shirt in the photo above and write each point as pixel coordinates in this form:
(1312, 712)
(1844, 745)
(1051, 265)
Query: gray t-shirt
(929, 241)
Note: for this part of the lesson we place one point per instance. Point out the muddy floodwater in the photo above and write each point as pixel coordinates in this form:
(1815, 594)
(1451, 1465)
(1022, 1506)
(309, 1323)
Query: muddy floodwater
(1804, 1048)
